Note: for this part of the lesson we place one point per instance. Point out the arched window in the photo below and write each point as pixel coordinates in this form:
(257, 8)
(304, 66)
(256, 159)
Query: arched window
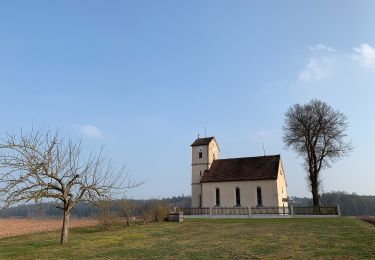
(217, 197)
(259, 197)
(238, 197)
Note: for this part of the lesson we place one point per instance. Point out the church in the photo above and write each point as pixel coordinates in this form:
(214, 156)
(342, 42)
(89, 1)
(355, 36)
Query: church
(236, 182)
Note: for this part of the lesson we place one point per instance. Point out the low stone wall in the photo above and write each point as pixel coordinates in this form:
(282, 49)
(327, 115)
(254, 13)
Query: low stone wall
(260, 216)
(261, 212)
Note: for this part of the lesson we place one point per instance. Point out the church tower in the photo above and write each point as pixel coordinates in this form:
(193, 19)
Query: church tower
(204, 152)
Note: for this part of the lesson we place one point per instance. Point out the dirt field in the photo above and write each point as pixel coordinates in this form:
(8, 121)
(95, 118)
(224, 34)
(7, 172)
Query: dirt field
(370, 220)
(15, 227)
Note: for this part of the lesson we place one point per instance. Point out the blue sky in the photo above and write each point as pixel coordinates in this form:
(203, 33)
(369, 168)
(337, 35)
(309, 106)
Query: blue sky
(143, 78)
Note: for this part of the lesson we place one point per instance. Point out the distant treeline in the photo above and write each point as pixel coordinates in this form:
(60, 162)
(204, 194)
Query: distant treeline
(350, 204)
(83, 209)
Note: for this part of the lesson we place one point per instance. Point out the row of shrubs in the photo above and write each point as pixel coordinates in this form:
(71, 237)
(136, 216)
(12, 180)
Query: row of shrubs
(122, 212)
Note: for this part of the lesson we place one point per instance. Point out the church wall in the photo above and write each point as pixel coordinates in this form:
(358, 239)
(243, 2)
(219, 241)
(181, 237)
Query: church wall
(213, 152)
(195, 155)
(197, 172)
(248, 193)
(281, 186)
(199, 165)
(196, 191)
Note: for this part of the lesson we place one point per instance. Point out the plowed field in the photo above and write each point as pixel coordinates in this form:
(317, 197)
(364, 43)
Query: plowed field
(15, 227)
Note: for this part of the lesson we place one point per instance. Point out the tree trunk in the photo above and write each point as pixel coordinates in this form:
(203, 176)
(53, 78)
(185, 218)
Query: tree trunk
(315, 192)
(65, 228)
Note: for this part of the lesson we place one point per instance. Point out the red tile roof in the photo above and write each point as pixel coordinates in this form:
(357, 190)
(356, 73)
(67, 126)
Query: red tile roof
(243, 169)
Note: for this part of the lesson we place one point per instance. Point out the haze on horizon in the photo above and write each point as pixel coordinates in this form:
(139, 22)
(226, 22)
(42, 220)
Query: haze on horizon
(143, 78)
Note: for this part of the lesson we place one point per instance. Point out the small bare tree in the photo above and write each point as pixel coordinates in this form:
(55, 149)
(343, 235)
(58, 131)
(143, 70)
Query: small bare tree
(126, 209)
(106, 215)
(41, 164)
(317, 133)
(158, 210)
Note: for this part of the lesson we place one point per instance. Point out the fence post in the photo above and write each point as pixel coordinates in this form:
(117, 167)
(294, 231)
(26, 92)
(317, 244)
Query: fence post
(338, 210)
(249, 211)
(292, 210)
(210, 211)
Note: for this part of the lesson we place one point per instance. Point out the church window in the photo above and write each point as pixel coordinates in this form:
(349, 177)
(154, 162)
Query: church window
(259, 197)
(217, 197)
(238, 197)
(200, 173)
(200, 155)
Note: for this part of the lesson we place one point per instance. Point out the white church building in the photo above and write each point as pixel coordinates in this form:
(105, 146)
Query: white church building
(236, 182)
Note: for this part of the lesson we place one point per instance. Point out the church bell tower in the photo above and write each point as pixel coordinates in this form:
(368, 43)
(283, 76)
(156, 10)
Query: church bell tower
(204, 152)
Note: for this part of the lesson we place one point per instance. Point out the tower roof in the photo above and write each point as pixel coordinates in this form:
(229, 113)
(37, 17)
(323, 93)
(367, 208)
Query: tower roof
(243, 169)
(203, 141)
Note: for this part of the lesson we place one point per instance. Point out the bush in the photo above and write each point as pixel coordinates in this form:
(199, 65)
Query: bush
(106, 215)
(157, 211)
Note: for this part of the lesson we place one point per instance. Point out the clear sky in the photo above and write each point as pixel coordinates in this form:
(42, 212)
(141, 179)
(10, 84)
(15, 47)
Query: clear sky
(143, 78)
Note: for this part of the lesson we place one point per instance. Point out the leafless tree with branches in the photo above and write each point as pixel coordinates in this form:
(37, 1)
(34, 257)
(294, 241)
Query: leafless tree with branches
(157, 210)
(42, 164)
(317, 133)
(106, 214)
(126, 208)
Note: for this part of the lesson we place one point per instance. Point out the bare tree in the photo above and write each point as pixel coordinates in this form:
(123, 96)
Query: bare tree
(126, 208)
(106, 214)
(158, 210)
(317, 133)
(42, 164)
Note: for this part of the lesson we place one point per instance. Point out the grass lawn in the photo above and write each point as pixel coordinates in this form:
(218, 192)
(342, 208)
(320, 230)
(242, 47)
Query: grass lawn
(202, 239)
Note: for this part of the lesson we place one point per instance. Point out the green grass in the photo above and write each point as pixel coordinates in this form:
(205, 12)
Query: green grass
(206, 239)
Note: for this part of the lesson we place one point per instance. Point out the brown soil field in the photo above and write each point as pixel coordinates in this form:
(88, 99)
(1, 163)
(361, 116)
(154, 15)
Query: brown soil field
(14, 227)
(370, 220)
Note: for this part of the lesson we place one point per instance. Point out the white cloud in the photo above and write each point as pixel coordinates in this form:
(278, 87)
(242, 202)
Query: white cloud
(321, 47)
(325, 61)
(90, 131)
(365, 56)
(319, 64)
(316, 69)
